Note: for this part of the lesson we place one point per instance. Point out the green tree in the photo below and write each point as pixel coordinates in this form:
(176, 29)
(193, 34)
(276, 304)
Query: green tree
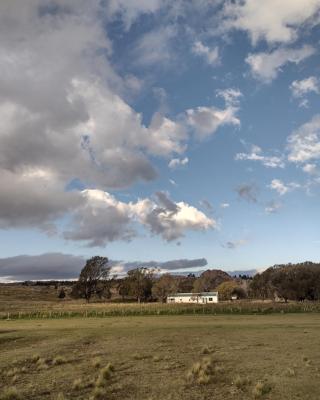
(140, 282)
(93, 278)
(228, 289)
(62, 293)
(209, 280)
(163, 286)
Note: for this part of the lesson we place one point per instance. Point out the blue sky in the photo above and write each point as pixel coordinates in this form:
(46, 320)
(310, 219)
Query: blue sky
(158, 130)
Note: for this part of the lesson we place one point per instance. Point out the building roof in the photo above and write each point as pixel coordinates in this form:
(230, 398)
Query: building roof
(202, 294)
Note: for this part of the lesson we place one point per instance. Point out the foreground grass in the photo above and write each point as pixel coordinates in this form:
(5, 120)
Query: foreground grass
(162, 357)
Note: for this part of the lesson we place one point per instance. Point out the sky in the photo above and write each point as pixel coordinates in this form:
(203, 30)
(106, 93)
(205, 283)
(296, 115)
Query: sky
(183, 135)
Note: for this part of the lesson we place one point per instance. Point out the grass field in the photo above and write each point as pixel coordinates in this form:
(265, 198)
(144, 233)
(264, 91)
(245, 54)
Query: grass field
(162, 357)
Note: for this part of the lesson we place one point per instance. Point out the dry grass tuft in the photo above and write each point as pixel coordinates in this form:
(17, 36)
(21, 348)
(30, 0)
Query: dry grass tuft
(290, 372)
(42, 364)
(98, 394)
(96, 362)
(12, 372)
(204, 372)
(10, 393)
(34, 358)
(61, 396)
(77, 384)
(241, 382)
(59, 360)
(207, 350)
(261, 389)
(104, 376)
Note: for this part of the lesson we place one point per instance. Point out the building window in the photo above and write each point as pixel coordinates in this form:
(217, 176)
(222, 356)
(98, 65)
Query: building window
(210, 299)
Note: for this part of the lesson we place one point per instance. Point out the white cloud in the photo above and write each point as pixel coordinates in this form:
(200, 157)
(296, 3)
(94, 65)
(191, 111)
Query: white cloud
(211, 55)
(311, 169)
(304, 143)
(256, 155)
(282, 188)
(224, 205)
(206, 120)
(230, 96)
(276, 21)
(155, 47)
(303, 87)
(103, 218)
(130, 11)
(177, 162)
(266, 66)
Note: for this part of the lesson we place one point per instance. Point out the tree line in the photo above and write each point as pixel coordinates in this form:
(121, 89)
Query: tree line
(297, 282)
(146, 284)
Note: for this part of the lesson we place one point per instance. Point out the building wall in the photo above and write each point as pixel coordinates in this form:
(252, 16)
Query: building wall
(193, 299)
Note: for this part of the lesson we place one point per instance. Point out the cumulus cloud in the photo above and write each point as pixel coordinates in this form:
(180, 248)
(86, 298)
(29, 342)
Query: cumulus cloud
(103, 218)
(257, 155)
(248, 192)
(211, 55)
(300, 89)
(177, 162)
(304, 86)
(266, 66)
(206, 120)
(282, 188)
(34, 198)
(154, 48)
(276, 21)
(129, 11)
(311, 169)
(77, 125)
(304, 143)
(231, 96)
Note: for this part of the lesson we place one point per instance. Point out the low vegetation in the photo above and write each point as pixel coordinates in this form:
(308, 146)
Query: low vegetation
(198, 357)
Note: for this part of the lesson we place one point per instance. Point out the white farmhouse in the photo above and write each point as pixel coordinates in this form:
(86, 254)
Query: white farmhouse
(191, 298)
